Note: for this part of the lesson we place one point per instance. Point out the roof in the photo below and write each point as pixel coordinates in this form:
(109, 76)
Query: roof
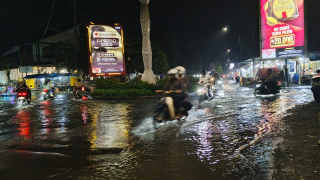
(35, 76)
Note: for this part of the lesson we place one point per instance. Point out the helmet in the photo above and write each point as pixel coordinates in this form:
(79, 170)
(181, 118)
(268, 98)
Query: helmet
(172, 71)
(203, 72)
(181, 70)
(269, 70)
(20, 79)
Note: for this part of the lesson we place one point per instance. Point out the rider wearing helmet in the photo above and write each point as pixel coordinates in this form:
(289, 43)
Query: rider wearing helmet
(205, 78)
(48, 85)
(175, 85)
(185, 96)
(269, 80)
(21, 85)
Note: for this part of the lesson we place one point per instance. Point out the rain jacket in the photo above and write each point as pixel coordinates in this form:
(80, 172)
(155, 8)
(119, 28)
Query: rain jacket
(173, 85)
(270, 77)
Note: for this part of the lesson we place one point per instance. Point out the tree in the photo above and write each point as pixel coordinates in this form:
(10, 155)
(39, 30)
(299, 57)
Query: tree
(218, 68)
(135, 64)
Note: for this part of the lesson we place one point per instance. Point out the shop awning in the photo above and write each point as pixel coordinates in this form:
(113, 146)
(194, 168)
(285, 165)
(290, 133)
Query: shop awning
(314, 56)
(38, 76)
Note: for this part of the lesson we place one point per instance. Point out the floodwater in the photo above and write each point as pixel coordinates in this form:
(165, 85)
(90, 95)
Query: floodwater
(64, 138)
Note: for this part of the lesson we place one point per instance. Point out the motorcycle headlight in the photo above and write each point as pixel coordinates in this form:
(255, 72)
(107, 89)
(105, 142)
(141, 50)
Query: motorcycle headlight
(199, 90)
(258, 85)
(219, 82)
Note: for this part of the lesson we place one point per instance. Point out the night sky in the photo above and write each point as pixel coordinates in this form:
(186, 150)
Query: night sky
(196, 25)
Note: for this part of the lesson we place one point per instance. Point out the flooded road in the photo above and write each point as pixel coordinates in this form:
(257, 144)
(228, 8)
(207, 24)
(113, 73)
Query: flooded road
(225, 138)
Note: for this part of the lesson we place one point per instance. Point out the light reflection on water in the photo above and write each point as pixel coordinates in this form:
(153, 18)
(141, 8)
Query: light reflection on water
(200, 147)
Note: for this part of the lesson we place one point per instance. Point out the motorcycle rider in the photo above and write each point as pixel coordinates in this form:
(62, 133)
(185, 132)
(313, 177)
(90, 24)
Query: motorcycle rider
(49, 86)
(78, 86)
(173, 84)
(205, 79)
(22, 85)
(269, 80)
(216, 78)
(185, 95)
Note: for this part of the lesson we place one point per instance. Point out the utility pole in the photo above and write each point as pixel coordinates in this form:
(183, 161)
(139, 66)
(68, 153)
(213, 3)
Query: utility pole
(75, 35)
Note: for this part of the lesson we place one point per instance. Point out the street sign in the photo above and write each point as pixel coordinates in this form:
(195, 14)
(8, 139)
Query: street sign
(26, 69)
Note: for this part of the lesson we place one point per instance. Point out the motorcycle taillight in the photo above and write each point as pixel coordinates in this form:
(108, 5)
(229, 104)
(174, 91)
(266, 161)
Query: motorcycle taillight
(82, 89)
(22, 94)
(45, 90)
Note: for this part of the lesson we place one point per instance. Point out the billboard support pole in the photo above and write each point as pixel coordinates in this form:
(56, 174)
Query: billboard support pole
(75, 35)
(286, 75)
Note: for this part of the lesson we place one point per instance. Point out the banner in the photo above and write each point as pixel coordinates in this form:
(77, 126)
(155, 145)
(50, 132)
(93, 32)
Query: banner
(282, 28)
(106, 50)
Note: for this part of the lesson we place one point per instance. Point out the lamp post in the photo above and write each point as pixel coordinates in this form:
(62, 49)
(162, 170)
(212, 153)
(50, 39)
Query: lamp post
(227, 29)
(234, 52)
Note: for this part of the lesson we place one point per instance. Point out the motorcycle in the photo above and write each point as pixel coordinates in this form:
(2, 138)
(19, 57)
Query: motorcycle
(166, 109)
(262, 88)
(23, 96)
(218, 84)
(82, 93)
(48, 94)
(316, 86)
(204, 92)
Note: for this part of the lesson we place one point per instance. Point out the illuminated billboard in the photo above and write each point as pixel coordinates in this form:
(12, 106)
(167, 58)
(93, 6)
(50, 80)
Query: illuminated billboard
(282, 29)
(106, 50)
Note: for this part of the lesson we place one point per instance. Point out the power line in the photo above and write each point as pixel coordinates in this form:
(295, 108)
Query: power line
(49, 19)
(41, 17)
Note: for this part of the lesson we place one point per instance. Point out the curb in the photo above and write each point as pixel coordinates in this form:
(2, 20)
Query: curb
(123, 98)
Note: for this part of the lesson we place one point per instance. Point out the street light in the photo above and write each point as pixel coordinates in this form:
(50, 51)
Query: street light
(226, 29)
(236, 54)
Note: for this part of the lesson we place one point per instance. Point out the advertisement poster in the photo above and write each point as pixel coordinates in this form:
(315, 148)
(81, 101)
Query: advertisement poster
(292, 67)
(282, 28)
(106, 50)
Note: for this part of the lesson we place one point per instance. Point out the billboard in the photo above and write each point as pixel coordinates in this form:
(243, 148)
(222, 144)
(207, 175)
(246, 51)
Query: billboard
(106, 50)
(282, 29)
(231, 65)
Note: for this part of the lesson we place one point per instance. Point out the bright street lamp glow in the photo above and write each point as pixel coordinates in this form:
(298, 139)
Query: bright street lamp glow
(225, 29)
(228, 50)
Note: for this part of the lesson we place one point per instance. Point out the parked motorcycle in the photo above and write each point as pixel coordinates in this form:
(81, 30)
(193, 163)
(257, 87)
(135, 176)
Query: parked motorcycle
(166, 109)
(23, 96)
(204, 92)
(262, 88)
(316, 86)
(48, 94)
(82, 93)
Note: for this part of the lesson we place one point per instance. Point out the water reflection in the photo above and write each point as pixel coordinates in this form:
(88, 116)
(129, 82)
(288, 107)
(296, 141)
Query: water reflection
(23, 119)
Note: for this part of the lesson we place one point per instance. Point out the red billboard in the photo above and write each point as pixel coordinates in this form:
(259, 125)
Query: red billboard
(282, 29)
(106, 50)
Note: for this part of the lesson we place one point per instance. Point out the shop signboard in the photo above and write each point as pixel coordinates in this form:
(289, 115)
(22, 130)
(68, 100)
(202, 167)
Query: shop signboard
(106, 50)
(26, 69)
(282, 29)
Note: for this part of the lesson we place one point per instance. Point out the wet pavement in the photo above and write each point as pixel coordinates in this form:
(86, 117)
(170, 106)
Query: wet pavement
(234, 136)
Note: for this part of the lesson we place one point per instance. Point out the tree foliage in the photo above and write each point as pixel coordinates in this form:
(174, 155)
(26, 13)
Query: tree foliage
(218, 68)
(133, 49)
